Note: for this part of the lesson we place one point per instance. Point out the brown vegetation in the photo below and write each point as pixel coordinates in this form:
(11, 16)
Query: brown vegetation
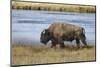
(52, 7)
(22, 55)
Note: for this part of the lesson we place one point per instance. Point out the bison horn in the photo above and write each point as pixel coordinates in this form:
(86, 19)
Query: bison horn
(43, 31)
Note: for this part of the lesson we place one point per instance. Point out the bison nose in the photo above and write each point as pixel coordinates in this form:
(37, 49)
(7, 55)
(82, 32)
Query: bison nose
(41, 41)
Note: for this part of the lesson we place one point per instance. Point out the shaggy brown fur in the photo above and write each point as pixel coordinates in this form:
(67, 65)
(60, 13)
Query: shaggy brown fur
(60, 32)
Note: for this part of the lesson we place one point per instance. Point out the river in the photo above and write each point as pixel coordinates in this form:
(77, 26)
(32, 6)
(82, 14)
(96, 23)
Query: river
(28, 24)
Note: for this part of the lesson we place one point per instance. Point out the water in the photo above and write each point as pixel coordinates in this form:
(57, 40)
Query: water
(28, 24)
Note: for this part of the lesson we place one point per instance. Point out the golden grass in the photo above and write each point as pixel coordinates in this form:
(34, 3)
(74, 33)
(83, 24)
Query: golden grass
(52, 7)
(22, 55)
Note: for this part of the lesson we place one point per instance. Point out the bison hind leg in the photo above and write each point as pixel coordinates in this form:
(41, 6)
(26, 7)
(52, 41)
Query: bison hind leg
(78, 43)
(53, 44)
(84, 42)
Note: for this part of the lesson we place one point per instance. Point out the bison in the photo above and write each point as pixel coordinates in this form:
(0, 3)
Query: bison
(57, 33)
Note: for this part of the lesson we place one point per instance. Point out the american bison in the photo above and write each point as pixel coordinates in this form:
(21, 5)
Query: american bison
(60, 32)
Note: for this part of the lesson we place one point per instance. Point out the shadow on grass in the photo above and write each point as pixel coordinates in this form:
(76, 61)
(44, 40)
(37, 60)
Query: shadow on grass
(74, 47)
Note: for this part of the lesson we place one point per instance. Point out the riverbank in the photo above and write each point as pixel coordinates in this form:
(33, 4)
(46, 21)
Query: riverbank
(23, 55)
(52, 7)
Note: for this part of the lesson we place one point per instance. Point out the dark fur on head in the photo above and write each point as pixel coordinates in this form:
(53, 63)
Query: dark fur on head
(45, 36)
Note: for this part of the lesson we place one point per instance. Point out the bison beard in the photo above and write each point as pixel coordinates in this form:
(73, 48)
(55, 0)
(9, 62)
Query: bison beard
(60, 32)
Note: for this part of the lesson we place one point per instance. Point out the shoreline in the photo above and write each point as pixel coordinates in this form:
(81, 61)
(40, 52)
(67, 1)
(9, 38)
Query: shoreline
(52, 7)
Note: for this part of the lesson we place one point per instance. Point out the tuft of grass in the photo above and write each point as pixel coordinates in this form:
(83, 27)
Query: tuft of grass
(22, 55)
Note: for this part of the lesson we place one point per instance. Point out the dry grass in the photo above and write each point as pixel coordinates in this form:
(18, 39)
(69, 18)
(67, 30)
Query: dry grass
(22, 55)
(52, 7)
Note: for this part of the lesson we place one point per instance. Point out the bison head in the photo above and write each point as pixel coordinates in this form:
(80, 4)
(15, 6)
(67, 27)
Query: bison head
(45, 36)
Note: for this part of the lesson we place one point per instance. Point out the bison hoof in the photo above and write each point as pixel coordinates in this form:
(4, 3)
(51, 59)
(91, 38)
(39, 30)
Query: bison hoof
(85, 46)
(78, 47)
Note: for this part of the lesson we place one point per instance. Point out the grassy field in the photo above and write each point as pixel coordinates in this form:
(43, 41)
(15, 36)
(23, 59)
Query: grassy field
(53, 7)
(22, 55)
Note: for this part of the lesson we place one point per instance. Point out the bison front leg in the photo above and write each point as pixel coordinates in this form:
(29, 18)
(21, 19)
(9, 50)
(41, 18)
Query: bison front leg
(53, 44)
(61, 43)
